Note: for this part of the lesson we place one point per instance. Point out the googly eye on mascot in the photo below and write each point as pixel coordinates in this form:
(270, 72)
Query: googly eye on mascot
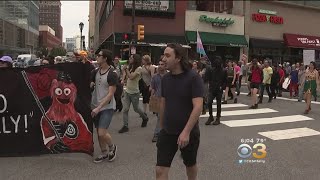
(68, 132)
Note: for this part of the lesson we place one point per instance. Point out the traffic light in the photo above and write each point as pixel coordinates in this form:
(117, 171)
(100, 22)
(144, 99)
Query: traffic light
(140, 32)
(126, 37)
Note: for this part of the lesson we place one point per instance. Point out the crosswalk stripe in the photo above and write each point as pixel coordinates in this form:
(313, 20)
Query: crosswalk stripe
(230, 105)
(289, 133)
(283, 98)
(265, 121)
(243, 112)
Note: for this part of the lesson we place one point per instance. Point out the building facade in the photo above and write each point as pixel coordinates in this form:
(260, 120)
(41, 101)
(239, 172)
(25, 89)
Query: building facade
(163, 23)
(50, 14)
(279, 30)
(92, 23)
(282, 31)
(19, 24)
(221, 34)
(70, 44)
(47, 38)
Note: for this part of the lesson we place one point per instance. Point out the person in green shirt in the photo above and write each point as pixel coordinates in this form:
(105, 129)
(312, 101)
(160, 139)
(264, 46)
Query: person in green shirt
(267, 74)
(132, 92)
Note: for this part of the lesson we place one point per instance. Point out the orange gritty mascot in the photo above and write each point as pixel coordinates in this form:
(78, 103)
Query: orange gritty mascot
(63, 128)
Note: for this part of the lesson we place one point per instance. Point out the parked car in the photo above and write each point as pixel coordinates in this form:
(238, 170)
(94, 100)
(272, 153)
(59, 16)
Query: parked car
(26, 60)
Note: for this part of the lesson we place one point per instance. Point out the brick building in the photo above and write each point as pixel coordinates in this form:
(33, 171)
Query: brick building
(50, 14)
(163, 23)
(47, 38)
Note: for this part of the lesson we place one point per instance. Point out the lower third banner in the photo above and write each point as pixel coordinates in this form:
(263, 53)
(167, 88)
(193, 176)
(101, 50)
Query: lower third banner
(45, 109)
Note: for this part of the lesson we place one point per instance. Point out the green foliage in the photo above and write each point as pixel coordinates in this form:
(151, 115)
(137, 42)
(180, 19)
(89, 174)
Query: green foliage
(58, 51)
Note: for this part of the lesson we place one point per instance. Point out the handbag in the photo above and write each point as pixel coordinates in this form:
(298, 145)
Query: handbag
(286, 83)
(154, 104)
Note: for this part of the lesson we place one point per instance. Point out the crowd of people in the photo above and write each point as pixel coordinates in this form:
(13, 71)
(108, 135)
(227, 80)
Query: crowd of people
(224, 82)
(184, 89)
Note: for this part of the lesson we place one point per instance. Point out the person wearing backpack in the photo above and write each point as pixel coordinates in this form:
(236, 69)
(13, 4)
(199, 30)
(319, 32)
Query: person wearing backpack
(103, 104)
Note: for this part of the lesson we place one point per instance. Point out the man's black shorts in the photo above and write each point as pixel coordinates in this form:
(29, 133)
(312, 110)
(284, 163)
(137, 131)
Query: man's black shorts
(167, 148)
(254, 85)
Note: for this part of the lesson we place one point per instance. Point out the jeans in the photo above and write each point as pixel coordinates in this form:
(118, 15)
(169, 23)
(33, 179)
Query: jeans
(157, 129)
(293, 87)
(127, 100)
(238, 86)
(273, 88)
(218, 97)
(267, 87)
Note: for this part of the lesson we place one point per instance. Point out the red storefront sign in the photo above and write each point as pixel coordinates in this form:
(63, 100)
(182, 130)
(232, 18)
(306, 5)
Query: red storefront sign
(302, 41)
(267, 18)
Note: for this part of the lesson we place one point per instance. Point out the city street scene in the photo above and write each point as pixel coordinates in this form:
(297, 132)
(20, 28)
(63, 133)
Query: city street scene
(160, 89)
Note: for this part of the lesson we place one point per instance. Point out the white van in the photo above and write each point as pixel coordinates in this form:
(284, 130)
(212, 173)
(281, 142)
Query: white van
(26, 60)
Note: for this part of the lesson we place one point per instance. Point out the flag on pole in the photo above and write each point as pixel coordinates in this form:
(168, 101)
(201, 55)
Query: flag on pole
(200, 48)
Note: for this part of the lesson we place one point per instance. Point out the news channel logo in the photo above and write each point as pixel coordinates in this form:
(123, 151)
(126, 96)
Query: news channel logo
(257, 151)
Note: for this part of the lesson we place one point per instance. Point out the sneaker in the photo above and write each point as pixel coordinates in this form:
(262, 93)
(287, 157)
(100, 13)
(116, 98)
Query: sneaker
(210, 120)
(155, 138)
(144, 122)
(112, 153)
(224, 102)
(101, 158)
(124, 129)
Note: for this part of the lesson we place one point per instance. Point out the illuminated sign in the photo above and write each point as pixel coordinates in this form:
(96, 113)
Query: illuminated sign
(262, 11)
(217, 21)
(267, 18)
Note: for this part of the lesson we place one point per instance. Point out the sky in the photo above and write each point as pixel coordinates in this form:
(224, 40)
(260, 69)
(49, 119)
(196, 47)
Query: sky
(72, 13)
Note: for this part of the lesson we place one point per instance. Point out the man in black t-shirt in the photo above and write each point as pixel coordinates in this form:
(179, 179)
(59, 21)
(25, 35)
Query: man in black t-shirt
(180, 109)
(217, 78)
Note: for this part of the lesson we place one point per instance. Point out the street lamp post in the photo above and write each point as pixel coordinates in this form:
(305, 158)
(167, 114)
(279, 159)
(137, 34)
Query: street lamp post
(132, 25)
(81, 28)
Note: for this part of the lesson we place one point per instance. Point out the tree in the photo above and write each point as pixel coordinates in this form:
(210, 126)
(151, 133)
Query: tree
(58, 51)
(43, 51)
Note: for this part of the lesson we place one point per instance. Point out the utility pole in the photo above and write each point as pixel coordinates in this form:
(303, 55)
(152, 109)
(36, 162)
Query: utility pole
(133, 25)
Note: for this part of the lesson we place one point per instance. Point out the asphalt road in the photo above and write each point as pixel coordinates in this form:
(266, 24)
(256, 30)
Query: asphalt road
(290, 154)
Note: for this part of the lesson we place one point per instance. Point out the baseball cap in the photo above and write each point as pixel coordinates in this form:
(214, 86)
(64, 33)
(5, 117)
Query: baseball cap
(6, 59)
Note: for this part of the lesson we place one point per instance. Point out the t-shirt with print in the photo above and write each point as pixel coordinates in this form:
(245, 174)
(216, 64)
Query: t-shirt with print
(178, 91)
(101, 90)
(133, 84)
(267, 73)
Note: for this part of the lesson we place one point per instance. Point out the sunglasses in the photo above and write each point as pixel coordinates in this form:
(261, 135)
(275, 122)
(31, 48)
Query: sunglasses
(98, 55)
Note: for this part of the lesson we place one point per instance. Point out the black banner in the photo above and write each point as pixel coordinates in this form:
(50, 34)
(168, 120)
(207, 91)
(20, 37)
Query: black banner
(45, 109)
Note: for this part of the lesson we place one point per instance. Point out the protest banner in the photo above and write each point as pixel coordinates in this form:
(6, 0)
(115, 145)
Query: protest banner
(45, 109)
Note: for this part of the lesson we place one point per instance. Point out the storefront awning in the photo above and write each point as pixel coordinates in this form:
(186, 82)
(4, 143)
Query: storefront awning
(217, 39)
(302, 41)
(265, 43)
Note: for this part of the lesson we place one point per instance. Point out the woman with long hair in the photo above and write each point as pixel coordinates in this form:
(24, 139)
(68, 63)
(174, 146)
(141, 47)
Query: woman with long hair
(132, 93)
(311, 84)
(147, 72)
(231, 73)
(256, 79)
